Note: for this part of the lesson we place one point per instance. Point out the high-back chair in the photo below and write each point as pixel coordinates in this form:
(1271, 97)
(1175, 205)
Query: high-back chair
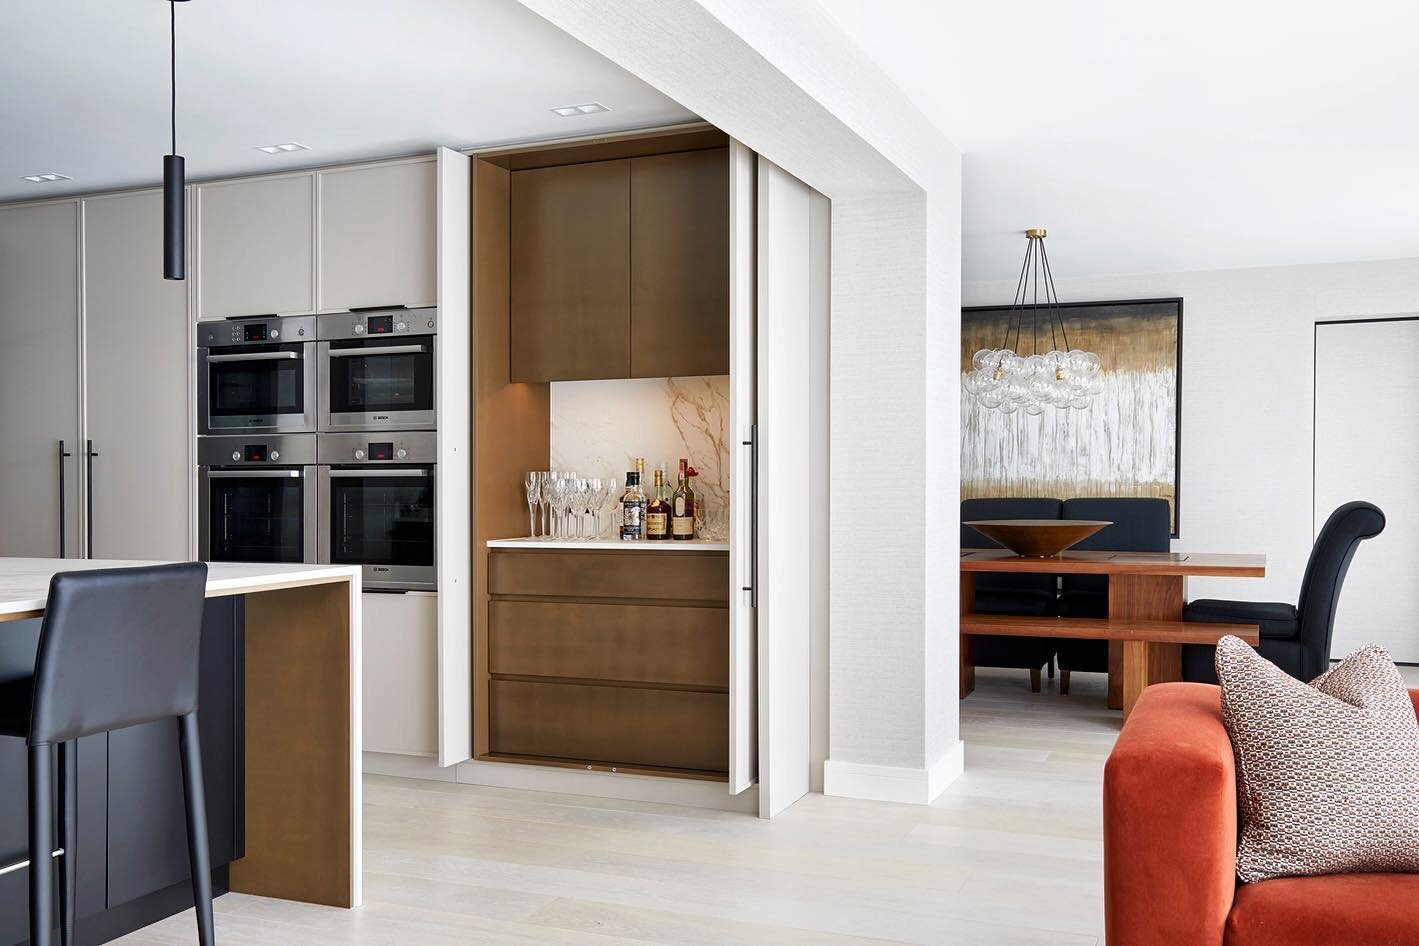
(118, 647)
(1140, 524)
(1011, 594)
(1294, 637)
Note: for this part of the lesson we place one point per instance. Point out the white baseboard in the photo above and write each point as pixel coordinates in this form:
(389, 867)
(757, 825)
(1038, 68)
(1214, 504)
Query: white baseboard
(692, 793)
(894, 783)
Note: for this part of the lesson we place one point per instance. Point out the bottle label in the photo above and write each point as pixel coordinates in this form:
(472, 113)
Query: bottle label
(630, 521)
(656, 525)
(683, 526)
(679, 505)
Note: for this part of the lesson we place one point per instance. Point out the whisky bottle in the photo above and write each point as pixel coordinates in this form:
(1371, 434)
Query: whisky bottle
(657, 514)
(682, 507)
(633, 509)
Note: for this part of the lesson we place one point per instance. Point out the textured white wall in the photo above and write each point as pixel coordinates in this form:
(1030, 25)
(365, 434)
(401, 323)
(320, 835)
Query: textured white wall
(785, 79)
(1247, 397)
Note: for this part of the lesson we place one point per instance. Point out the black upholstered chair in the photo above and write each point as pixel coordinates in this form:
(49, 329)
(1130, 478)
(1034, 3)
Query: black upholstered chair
(1032, 595)
(118, 647)
(1296, 639)
(1139, 525)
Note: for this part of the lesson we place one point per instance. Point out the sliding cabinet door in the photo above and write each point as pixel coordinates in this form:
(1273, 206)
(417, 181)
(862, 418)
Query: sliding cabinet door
(39, 379)
(783, 556)
(1367, 447)
(137, 359)
(454, 481)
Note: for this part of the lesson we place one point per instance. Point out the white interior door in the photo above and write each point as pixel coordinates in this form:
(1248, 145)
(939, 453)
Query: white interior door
(743, 725)
(454, 474)
(1367, 447)
(783, 572)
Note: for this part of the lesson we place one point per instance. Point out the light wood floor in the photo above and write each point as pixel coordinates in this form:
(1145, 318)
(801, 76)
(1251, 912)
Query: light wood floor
(1010, 855)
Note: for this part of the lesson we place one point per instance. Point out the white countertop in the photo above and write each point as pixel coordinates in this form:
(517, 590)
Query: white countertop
(616, 545)
(24, 582)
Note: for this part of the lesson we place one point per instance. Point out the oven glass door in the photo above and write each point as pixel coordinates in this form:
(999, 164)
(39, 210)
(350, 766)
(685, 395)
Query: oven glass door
(381, 376)
(383, 517)
(256, 516)
(259, 380)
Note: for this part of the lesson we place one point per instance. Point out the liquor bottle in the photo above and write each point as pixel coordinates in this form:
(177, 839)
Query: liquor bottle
(633, 509)
(657, 514)
(682, 507)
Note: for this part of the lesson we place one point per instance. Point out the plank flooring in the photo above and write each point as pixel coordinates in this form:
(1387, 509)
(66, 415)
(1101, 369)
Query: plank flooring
(1009, 856)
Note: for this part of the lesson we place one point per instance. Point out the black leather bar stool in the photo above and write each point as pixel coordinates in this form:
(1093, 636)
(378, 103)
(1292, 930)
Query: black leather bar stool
(118, 647)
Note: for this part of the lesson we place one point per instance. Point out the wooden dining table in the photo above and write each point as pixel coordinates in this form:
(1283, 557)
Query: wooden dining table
(1144, 626)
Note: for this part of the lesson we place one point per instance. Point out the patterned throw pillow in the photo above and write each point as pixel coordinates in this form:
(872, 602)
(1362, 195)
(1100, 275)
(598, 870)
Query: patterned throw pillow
(1327, 771)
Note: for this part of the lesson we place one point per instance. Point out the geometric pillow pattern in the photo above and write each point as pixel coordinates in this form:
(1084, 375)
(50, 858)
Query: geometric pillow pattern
(1327, 771)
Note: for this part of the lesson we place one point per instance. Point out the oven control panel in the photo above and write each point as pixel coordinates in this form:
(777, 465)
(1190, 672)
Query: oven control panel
(245, 450)
(263, 331)
(412, 447)
(374, 324)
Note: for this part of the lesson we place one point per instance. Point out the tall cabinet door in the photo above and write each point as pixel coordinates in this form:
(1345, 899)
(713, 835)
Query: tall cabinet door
(377, 235)
(136, 382)
(39, 368)
(255, 246)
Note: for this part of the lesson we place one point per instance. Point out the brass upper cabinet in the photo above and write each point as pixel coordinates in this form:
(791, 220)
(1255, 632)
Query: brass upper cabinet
(571, 272)
(620, 269)
(680, 264)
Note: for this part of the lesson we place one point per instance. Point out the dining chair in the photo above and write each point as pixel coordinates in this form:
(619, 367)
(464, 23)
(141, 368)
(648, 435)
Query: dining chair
(1294, 637)
(117, 647)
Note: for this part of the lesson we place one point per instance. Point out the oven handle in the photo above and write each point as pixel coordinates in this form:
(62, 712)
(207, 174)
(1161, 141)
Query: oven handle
(257, 356)
(253, 474)
(379, 350)
(348, 474)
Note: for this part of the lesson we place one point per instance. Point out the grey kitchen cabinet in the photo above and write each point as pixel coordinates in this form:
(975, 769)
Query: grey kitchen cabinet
(400, 653)
(377, 243)
(255, 246)
(136, 382)
(39, 377)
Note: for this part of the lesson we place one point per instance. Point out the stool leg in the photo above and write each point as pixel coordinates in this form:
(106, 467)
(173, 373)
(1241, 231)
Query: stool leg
(68, 836)
(198, 851)
(41, 785)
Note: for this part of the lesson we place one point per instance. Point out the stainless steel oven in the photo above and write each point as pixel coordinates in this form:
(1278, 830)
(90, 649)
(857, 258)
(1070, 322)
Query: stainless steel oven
(257, 498)
(377, 506)
(377, 369)
(256, 375)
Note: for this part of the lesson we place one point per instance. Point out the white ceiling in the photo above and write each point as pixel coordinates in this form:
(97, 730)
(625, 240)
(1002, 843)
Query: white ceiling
(86, 85)
(1156, 137)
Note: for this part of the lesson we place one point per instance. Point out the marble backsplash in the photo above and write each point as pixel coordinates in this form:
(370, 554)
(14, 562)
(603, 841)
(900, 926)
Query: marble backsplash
(600, 427)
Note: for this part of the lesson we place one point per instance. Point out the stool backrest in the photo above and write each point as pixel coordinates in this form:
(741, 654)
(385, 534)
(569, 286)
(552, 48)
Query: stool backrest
(118, 647)
(1330, 558)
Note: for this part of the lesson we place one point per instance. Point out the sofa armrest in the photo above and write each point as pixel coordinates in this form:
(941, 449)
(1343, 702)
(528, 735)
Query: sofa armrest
(1170, 821)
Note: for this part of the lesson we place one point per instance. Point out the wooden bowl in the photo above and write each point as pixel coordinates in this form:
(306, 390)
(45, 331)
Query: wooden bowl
(1038, 538)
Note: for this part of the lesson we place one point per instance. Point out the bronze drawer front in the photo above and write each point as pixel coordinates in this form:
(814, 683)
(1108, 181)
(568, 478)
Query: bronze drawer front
(661, 644)
(635, 575)
(676, 729)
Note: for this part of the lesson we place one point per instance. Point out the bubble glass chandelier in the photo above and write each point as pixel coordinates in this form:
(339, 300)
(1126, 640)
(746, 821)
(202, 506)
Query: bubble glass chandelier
(1007, 380)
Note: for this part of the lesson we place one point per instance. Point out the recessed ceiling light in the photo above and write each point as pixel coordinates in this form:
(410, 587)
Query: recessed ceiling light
(590, 108)
(283, 148)
(48, 177)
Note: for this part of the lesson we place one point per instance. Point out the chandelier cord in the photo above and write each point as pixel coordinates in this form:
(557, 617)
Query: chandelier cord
(1018, 298)
(172, 60)
(1059, 310)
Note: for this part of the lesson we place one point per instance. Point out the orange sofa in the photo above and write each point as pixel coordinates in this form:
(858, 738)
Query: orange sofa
(1170, 843)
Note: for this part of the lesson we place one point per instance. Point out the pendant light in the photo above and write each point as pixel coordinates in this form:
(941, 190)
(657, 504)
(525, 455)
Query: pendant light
(1006, 379)
(174, 176)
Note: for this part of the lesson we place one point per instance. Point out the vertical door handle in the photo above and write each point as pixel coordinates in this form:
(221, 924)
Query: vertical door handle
(89, 476)
(753, 444)
(63, 455)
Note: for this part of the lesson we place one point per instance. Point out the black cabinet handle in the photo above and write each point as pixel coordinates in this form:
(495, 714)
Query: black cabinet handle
(63, 454)
(753, 444)
(89, 459)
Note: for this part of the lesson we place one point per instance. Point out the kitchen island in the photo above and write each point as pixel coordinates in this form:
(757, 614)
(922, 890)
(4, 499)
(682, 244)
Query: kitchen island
(279, 710)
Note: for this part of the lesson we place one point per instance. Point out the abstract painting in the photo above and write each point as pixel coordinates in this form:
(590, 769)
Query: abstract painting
(1125, 444)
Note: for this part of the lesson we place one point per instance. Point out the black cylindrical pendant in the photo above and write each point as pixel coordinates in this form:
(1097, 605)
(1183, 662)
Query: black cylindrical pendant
(174, 217)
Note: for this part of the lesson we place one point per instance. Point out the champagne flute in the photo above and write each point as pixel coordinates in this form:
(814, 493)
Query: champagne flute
(531, 486)
(609, 497)
(568, 493)
(549, 505)
(594, 496)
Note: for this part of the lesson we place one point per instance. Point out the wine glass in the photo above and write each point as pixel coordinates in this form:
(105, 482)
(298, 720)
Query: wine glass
(532, 486)
(550, 486)
(568, 494)
(609, 496)
(594, 488)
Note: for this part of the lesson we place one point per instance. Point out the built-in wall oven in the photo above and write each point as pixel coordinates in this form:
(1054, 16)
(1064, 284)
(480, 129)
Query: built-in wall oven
(377, 506)
(257, 375)
(257, 498)
(377, 369)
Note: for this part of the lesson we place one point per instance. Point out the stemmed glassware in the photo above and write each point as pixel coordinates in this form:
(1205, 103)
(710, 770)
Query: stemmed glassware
(594, 487)
(532, 485)
(549, 503)
(567, 501)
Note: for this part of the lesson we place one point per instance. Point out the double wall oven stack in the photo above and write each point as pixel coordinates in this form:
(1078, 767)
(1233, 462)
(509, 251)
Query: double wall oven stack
(317, 442)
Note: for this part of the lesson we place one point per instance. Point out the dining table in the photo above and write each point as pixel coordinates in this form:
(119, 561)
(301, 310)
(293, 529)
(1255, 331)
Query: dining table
(1144, 625)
